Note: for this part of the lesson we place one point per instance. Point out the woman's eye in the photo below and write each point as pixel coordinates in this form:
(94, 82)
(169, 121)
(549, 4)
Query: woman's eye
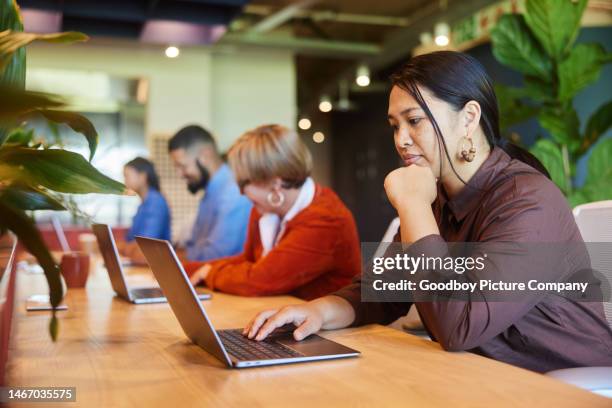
(414, 121)
(394, 127)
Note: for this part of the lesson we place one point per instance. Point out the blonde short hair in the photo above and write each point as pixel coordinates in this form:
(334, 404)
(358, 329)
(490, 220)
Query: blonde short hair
(270, 151)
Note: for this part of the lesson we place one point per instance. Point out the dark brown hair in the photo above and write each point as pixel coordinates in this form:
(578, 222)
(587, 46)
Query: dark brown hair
(190, 136)
(458, 78)
(142, 165)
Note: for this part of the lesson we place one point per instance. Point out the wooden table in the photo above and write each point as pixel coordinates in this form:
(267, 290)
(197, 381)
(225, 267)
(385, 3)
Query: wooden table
(121, 355)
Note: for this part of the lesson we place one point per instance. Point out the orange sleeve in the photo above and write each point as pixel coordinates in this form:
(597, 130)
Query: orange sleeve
(305, 252)
(192, 266)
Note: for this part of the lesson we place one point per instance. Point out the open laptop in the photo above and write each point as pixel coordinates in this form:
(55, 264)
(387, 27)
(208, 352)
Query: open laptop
(109, 252)
(229, 346)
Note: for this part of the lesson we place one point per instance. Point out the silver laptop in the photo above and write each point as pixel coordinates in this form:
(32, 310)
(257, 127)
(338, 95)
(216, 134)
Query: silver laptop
(229, 346)
(109, 252)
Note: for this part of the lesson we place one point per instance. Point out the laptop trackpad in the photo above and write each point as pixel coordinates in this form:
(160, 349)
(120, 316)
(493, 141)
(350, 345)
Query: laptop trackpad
(314, 345)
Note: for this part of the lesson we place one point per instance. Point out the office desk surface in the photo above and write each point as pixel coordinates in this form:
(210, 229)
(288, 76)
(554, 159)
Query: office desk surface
(121, 355)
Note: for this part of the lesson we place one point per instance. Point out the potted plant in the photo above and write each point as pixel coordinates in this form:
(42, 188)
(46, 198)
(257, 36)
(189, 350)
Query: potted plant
(34, 173)
(541, 45)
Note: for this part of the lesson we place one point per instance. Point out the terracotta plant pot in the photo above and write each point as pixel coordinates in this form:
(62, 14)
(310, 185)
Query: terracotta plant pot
(75, 269)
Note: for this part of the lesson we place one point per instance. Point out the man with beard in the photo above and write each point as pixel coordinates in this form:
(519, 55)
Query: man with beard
(223, 214)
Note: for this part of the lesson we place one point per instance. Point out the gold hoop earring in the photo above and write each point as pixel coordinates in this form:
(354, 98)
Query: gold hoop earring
(278, 202)
(468, 154)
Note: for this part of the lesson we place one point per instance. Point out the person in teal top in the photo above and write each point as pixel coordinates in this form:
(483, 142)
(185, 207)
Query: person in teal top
(152, 219)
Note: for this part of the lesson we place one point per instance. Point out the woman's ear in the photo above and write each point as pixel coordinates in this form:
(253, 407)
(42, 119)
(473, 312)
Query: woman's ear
(471, 116)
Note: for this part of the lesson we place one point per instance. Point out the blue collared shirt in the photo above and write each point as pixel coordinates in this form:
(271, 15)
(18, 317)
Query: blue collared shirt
(152, 218)
(221, 225)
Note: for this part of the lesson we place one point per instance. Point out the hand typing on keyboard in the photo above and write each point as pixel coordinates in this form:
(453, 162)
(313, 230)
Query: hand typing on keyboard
(283, 330)
(328, 312)
(246, 349)
(286, 319)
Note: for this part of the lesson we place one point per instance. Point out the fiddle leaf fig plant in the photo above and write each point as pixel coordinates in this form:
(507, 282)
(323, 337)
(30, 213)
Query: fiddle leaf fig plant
(34, 173)
(540, 44)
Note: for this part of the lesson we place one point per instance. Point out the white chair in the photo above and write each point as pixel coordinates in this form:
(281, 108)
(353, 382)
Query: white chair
(412, 321)
(595, 223)
(594, 379)
(388, 237)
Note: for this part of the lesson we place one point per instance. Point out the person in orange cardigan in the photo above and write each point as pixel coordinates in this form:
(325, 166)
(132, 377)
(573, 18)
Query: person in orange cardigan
(301, 240)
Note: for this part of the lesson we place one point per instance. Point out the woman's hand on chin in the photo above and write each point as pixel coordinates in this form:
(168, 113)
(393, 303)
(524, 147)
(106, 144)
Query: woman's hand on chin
(411, 184)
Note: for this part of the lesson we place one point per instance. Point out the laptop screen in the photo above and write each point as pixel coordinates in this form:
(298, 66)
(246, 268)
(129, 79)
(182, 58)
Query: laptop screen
(109, 252)
(181, 295)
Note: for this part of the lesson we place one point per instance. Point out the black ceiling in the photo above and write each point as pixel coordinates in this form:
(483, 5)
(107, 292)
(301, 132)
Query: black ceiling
(126, 18)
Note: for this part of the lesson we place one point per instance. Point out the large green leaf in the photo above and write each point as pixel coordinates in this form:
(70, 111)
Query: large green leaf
(20, 137)
(9, 15)
(563, 125)
(512, 109)
(29, 198)
(14, 103)
(577, 197)
(23, 170)
(513, 45)
(11, 41)
(581, 68)
(551, 157)
(598, 185)
(10, 19)
(78, 123)
(598, 124)
(55, 169)
(599, 190)
(539, 90)
(14, 73)
(17, 221)
(554, 23)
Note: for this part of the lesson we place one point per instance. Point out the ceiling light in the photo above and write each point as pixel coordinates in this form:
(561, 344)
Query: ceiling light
(442, 40)
(325, 104)
(363, 76)
(318, 137)
(304, 124)
(172, 52)
(442, 33)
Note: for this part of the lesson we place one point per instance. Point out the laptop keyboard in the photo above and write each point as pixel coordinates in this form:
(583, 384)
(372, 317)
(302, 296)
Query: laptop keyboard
(246, 349)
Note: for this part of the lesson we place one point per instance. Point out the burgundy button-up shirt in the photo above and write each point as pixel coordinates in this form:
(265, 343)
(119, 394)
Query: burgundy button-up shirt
(506, 201)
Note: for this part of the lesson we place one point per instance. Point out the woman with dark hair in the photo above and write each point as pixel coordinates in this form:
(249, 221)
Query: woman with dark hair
(461, 182)
(152, 218)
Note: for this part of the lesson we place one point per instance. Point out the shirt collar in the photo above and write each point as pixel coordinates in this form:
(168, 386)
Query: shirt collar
(470, 196)
(271, 227)
(303, 200)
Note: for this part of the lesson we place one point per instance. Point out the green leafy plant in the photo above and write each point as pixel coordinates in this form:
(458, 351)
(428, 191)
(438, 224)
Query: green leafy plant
(541, 45)
(34, 173)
